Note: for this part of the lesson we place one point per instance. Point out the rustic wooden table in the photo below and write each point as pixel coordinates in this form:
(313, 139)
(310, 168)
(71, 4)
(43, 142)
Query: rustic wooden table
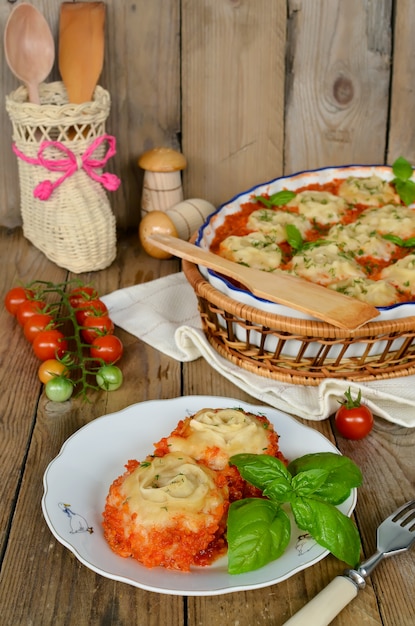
(43, 583)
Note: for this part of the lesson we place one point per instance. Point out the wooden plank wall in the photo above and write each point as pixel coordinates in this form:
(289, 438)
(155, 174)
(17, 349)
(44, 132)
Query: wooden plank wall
(249, 89)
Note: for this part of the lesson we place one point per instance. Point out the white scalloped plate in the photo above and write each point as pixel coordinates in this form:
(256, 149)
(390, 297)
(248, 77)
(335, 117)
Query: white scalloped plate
(76, 484)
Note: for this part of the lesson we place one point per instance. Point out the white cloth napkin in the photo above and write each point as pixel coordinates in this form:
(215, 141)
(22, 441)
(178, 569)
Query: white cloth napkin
(164, 314)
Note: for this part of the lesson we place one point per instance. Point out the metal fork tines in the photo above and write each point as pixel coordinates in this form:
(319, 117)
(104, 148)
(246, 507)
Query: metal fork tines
(397, 530)
(405, 515)
(395, 534)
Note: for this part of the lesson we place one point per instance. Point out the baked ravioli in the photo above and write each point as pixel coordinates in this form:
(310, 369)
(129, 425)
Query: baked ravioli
(165, 511)
(212, 436)
(171, 509)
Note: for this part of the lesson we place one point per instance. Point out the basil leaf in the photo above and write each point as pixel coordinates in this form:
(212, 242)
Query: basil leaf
(342, 474)
(308, 482)
(309, 245)
(404, 243)
(402, 169)
(258, 532)
(277, 199)
(329, 527)
(279, 490)
(294, 237)
(260, 469)
(282, 197)
(394, 239)
(406, 190)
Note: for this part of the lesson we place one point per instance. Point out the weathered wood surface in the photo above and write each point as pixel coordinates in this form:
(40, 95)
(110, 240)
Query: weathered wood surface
(249, 89)
(43, 584)
(338, 83)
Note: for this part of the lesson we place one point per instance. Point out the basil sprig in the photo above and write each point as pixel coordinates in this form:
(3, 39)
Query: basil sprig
(277, 199)
(259, 529)
(405, 187)
(404, 243)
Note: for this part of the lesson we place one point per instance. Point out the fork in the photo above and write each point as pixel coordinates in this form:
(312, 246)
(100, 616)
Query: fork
(395, 534)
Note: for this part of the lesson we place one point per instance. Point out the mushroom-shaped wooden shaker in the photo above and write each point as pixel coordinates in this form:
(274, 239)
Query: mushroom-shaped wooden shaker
(162, 184)
(182, 221)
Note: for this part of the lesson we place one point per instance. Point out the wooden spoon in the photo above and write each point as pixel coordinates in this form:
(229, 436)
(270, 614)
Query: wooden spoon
(81, 48)
(330, 306)
(29, 47)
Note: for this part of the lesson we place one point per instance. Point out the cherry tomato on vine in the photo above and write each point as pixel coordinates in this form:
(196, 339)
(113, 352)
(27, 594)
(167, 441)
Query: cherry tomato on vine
(51, 368)
(93, 307)
(109, 377)
(353, 420)
(27, 309)
(96, 325)
(82, 295)
(15, 297)
(36, 323)
(109, 348)
(49, 344)
(59, 389)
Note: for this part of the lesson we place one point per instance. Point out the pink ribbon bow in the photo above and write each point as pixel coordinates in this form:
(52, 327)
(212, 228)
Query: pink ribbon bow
(71, 164)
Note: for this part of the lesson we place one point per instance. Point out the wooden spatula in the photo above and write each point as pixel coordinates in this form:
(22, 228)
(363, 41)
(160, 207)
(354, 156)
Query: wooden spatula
(81, 48)
(320, 302)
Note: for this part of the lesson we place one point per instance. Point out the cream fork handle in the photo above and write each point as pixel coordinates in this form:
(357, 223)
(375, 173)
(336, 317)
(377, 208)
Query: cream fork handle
(322, 609)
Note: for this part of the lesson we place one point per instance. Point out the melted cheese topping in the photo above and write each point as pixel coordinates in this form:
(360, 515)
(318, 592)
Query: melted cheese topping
(362, 240)
(224, 432)
(166, 487)
(402, 273)
(399, 220)
(372, 191)
(325, 264)
(322, 207)
(273, 223)
(376, 292)
(255, 250)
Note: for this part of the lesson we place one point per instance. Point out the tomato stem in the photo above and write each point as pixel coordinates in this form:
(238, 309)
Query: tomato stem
(80, 366)
(349, 403)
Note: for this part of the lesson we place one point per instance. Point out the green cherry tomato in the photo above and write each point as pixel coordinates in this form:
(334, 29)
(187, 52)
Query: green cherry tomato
(109, 377)
(59, 389)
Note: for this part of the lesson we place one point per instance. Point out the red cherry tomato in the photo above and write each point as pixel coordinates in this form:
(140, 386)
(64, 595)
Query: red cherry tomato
(49, 344)
(15, 297)
(27, 309)
(36, 323)
(93, 307)
(353, 420)
(95, 326)
(109, 348)
(81, 296)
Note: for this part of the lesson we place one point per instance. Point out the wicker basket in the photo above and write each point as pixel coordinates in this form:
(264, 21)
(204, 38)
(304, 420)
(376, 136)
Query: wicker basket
(303, 351)
(74, 226)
